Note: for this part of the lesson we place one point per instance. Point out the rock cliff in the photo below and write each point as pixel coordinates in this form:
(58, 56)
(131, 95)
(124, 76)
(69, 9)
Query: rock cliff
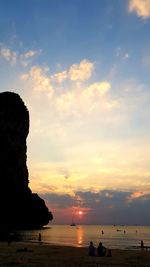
(19, 207)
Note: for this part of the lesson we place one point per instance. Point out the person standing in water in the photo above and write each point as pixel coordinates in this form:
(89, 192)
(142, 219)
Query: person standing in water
(40, 238)
(142, 244)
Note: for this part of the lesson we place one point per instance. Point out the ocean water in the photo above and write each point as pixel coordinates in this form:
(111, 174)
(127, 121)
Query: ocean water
(122, 237)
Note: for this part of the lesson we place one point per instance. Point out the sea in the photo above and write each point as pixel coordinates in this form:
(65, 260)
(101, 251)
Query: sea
(112, 236)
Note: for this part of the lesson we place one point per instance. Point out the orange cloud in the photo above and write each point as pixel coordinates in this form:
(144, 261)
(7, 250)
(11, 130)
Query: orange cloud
(140, 7)
(136, 194)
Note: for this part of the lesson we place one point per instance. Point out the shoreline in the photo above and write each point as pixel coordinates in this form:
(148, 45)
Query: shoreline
(131, 248)
(35, 254)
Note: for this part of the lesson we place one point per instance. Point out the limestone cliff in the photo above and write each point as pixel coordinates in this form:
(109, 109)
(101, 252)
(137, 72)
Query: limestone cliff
(19, 207)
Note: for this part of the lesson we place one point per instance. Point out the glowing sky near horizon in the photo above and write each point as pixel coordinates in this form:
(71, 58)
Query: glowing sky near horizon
(83, 70)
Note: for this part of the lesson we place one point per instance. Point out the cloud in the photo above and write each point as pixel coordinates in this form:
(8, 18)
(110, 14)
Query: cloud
(81, 101)
(102, 207)
(121, 54)
(97, 89)
(76, 73)
(25, 58)
(89, 133)
(8, 55)
(59, 77)
(14, 57)
(65, 101)
(43, 81)
(140, 7)
(30, 53)
(82, 71)
(137, 195)
(40, 80)
(126, 56)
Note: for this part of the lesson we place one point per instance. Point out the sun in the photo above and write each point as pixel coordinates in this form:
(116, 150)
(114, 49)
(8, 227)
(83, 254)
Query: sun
(80, 212)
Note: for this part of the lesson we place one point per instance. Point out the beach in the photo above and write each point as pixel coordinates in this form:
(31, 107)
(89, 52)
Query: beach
(27, 254)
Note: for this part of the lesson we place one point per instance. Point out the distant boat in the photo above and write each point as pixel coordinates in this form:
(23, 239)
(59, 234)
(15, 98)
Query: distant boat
(73, 223)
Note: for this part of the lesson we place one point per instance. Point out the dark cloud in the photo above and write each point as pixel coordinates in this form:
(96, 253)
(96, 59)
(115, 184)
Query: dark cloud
(59, 201)
(105, 207)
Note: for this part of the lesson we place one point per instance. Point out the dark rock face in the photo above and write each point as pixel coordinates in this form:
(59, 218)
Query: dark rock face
(19, 207)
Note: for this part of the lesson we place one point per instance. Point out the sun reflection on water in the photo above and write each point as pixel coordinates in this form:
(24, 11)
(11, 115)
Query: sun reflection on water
(79, 236)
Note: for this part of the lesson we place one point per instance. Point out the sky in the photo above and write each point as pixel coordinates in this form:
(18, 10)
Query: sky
(82, 68)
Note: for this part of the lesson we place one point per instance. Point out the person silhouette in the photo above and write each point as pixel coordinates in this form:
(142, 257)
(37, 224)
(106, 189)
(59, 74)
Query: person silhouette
(142, 244)
(101, 250)
(40, 238)
(91, 249)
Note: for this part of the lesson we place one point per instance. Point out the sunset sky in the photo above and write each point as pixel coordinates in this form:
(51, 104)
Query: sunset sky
(82, 67)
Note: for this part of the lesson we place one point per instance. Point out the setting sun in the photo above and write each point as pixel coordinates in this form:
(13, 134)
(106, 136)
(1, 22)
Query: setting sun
(80, 212)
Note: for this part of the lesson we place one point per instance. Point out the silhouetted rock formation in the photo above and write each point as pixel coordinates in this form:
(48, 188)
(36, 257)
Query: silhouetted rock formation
(19, 207)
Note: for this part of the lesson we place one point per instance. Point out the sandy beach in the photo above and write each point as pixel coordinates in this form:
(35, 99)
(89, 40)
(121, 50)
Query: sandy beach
(43, 255)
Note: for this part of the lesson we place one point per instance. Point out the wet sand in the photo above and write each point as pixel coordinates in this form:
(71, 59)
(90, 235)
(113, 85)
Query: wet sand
(42, 255)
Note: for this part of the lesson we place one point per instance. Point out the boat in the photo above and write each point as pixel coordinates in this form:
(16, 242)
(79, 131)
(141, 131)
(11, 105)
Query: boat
(72, 223)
